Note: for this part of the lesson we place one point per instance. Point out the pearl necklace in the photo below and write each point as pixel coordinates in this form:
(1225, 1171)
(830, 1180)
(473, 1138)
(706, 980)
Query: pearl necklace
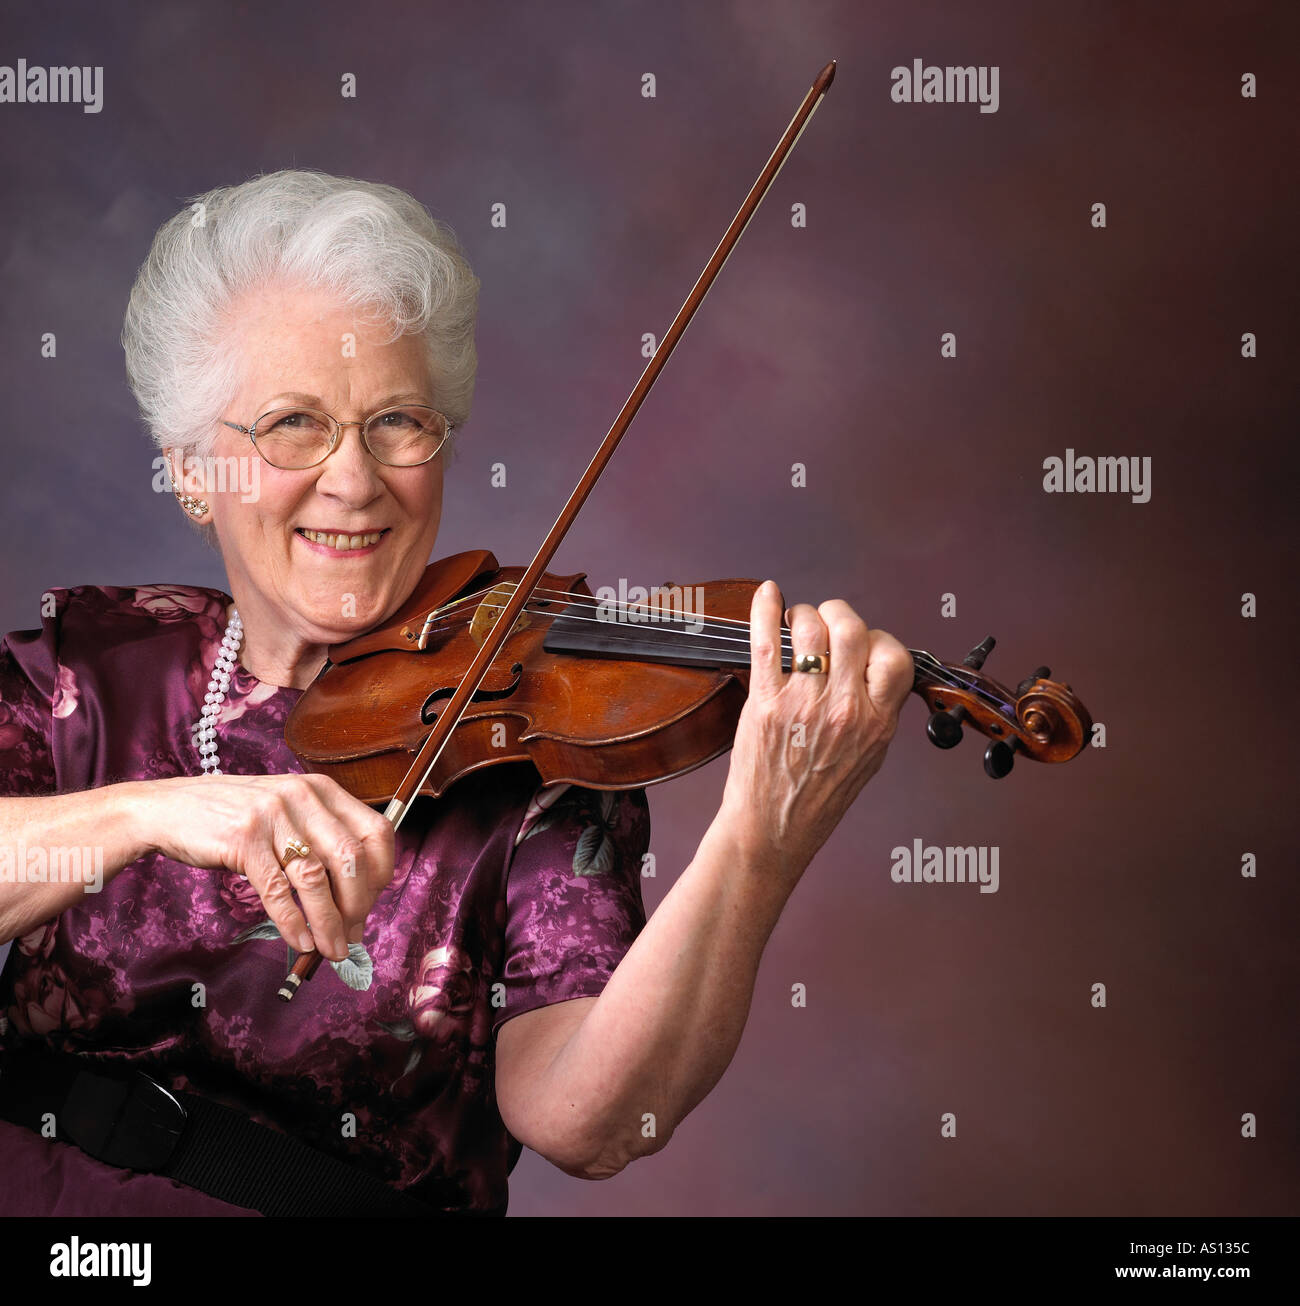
(204, 733)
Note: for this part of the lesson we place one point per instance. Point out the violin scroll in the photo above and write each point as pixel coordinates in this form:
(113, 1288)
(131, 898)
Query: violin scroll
(1041, 718)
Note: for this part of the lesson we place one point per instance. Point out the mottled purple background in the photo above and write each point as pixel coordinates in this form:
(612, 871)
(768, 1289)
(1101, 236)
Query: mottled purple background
(924, 476)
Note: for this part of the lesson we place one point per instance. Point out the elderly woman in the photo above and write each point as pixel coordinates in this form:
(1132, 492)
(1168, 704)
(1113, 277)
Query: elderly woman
(491, 984)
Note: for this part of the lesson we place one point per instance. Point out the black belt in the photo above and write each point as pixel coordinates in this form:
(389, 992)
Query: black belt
(122, 1117)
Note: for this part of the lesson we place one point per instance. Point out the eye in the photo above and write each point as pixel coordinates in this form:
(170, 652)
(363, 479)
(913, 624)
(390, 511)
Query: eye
(295, 421)
(397, 421)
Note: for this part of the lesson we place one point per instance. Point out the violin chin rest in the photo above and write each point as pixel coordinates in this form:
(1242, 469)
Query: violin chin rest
(441, 582)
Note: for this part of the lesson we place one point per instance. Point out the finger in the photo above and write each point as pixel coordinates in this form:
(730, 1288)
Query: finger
(343, 853)
(298, 817)
(808, 635)
(850, 646)
(311, 882)
(765, 678)
(361, 860)
(267, 876)
(890, 672)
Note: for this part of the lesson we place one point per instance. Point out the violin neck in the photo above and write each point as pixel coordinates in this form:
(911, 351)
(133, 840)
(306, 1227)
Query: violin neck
(677, 641)
(680, 641)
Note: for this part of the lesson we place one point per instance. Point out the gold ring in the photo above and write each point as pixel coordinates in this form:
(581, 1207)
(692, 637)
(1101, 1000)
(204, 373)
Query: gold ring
(816, 664)
(294, 848)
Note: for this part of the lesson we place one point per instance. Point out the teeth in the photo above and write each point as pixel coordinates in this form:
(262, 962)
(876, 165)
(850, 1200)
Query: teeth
(343, 542)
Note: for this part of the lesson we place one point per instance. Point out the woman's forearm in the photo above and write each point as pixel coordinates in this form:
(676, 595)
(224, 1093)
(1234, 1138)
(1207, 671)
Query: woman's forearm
(54, 850)
(667, 1024)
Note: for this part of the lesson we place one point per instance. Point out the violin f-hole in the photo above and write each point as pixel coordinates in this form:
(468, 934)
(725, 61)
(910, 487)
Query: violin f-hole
(429, 714)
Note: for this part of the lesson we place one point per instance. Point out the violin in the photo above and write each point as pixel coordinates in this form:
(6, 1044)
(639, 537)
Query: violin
(485, 664)
(601, 693)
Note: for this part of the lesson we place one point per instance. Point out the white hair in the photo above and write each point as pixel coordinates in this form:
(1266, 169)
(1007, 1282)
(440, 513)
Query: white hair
(374, 245)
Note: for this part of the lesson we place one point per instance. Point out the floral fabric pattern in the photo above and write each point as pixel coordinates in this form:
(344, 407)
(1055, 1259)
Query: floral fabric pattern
(504, 899)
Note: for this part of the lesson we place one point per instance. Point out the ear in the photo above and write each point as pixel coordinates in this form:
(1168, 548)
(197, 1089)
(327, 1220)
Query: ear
(186, 472)
(172, 457)
(187, 484)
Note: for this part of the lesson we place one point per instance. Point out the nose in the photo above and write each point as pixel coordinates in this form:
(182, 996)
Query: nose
(350, 474)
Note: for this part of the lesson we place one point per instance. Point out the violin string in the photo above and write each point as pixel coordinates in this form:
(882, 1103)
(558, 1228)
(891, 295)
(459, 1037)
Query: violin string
(932, 663)
(936, 669)
(584, 600)
(573, 596)
(666, 626)
(588, 602)
(933, 667)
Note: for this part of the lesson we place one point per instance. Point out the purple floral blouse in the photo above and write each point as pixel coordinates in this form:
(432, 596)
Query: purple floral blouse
(504, 899)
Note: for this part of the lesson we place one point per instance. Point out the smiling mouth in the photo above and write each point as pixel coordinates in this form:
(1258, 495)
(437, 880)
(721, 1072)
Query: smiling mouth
(340, 541)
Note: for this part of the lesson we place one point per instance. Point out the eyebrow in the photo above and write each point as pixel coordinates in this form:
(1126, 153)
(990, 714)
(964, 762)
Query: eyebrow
(315, 401)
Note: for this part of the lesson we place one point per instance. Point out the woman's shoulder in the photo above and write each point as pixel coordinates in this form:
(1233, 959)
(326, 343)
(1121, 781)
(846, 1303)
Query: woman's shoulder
(89, 625)
(115, 645)
(135, 609)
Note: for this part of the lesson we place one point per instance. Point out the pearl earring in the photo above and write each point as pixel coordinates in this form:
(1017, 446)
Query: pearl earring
(195, 507)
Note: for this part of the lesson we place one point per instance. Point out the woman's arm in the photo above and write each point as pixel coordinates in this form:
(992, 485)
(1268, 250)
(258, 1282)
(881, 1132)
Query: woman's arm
(35, 831)
(578, 1082)
(235, 822)
(576, 1079)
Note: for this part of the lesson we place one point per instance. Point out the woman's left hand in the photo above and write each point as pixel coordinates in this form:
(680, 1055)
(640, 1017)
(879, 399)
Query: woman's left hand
(806, 744)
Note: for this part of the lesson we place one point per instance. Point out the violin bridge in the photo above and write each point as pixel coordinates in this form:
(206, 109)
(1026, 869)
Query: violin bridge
(487, 613)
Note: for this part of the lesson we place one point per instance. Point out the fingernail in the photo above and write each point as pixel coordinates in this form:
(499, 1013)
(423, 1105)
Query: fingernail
(305, 942)
(341, 948)
(356, 934)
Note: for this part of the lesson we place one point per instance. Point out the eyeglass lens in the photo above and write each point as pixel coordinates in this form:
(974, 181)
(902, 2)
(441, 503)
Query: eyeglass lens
(294, 438)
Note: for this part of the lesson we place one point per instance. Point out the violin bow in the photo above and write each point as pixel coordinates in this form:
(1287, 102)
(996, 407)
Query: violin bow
(427, 758)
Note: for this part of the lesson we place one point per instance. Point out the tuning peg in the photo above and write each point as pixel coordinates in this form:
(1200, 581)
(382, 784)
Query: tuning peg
(1043, 673)
(944, 728)
(999, 756)
(975, 658)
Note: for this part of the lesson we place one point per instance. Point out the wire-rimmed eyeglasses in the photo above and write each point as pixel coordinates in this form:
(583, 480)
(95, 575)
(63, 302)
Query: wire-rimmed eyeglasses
(294, 439)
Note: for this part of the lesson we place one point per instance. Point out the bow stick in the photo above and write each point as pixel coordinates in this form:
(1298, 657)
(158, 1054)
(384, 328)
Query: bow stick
(427, 758)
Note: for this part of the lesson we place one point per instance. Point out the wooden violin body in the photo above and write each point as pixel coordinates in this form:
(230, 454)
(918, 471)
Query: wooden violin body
(607, 695)
(600, 721)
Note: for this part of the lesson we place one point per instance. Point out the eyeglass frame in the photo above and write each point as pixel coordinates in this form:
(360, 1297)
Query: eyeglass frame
(251, 432)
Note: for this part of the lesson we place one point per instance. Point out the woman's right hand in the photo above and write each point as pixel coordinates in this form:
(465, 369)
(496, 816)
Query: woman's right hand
(244, 824)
